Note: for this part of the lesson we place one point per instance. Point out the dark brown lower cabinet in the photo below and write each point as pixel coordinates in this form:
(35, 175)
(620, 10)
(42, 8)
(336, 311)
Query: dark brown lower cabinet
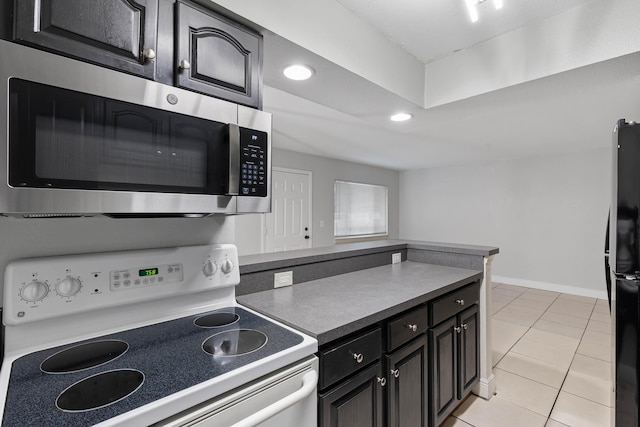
(407, 386)
(454, 362)
(357, 402)
(411, 370)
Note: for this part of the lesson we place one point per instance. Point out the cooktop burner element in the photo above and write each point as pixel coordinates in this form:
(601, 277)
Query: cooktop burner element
(216, 320)
(234, 342)
(100, 390)
(84, 356)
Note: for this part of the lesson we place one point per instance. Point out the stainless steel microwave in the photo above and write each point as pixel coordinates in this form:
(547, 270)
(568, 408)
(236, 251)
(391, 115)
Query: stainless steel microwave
(82, 140)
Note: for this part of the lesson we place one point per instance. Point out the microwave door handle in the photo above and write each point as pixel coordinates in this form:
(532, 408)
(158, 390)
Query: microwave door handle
(234, 160)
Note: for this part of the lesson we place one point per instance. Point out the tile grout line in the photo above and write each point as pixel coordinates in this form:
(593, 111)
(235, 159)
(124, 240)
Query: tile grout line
(567, 374)
(555, 401)
(533, 326)
(572, 359)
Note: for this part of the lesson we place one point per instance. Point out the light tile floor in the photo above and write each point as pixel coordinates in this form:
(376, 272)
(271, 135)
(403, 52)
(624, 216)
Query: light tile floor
(552, 362)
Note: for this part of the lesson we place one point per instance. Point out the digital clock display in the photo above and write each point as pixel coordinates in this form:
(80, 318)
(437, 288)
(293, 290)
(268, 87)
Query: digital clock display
(148, 271)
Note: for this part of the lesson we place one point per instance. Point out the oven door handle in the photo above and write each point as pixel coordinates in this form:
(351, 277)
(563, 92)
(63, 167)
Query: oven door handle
(309, 381)
(233, 184)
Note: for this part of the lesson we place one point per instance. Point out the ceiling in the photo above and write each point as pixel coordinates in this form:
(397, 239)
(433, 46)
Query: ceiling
(435, 28)
(339, 114)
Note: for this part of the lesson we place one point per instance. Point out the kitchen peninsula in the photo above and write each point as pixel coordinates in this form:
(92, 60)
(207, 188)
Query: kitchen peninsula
(425, 317)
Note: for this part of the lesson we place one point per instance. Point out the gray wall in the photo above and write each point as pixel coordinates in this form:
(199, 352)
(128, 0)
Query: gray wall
(25, 238)
(325, 172)
(546, 214)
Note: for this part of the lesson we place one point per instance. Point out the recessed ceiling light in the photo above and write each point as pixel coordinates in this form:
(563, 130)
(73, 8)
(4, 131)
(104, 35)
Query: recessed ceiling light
(400, 117)
(298, 72)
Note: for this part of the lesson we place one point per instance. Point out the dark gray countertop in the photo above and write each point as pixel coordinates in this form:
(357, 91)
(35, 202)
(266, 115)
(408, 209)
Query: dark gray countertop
(276, 260)
(333, 307)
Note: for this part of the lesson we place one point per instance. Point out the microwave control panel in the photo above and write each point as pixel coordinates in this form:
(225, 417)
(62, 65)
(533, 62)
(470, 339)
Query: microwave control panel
(253, 163)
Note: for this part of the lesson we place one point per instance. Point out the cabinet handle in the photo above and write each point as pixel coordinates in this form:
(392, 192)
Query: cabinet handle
(395, 372)
(460, 301)
(358, 357)
(464, 326)
(149, 54)
(382, 381)
(185, 65)
(457, 329)
(413, 327)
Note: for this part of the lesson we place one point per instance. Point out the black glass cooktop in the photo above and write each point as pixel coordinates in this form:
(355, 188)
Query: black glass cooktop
(137, 367)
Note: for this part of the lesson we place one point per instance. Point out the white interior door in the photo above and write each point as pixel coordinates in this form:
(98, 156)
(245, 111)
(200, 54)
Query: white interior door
(288, 226)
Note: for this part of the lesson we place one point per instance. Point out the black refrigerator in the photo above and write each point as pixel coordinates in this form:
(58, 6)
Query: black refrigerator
(623, 280)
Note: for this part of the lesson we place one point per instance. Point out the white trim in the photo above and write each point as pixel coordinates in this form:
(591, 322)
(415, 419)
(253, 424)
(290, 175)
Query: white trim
(263, 224)
(565, 289)
(486, 387)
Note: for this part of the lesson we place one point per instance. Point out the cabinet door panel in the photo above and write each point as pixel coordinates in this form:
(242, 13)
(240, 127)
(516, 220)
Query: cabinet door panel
(408, 395)
(355, 403)
(217, 57)
(469, 361)
(443, 370)
(113, 33)
(216, 48)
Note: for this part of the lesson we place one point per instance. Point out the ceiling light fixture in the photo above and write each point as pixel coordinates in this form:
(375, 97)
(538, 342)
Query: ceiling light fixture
(400, 117)
(473, 9)
(298, 72)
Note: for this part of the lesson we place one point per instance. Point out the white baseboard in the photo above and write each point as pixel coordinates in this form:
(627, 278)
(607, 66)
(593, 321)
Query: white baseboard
(485, 388)
(565, 289)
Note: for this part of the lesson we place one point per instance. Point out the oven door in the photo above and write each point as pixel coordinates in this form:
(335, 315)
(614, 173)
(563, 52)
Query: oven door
(64, 139)
(284, 399)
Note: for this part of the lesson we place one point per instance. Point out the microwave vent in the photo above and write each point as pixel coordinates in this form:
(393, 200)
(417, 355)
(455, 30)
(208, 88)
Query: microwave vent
(52, 215)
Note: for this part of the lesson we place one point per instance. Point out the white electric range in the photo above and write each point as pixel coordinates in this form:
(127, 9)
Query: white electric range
(150, 337)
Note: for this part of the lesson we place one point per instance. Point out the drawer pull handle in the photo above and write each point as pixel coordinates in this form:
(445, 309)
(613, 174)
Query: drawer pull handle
(358, 357)
(382, 381)
(457, 329)
(395, 373)
(413, 327)
(460, 301)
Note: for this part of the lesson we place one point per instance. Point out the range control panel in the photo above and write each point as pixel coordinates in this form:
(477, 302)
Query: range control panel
(144, 276)
(253, 163)
(41, 288)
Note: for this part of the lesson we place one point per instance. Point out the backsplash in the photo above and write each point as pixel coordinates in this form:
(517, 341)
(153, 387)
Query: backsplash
(25, 238)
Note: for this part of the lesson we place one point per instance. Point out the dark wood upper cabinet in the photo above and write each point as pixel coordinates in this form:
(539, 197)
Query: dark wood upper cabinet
(217, 57)
(172, 42)
(119, 34)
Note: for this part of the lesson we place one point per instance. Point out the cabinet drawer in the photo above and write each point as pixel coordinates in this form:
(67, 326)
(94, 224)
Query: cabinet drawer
(340, 361)
(453, 303)
(406, 327)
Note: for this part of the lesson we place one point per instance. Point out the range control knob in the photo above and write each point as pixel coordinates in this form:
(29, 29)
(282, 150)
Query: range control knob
(68, 287)
(209, 268)
(227, 266)
(34, 291)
